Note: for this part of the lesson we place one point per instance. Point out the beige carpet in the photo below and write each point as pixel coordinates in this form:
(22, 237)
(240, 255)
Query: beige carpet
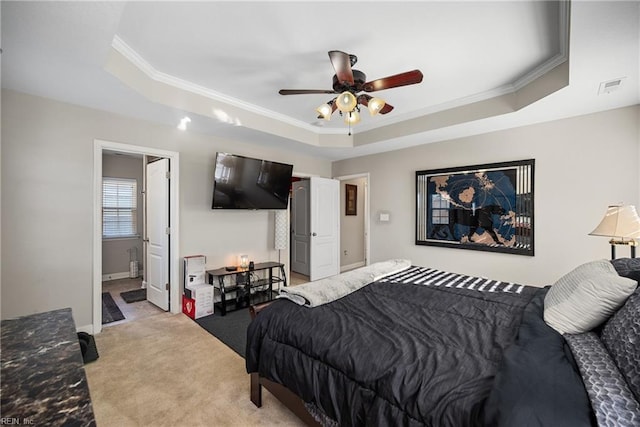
(165, 370)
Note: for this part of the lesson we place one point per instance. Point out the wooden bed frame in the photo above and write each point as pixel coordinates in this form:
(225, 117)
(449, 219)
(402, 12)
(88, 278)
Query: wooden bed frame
(283, 394)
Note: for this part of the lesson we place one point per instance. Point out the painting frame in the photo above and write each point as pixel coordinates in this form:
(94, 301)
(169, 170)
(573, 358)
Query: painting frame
(484, 207)
(351, 200)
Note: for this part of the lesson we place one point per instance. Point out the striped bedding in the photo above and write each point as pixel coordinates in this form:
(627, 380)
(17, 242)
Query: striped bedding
(432, 277)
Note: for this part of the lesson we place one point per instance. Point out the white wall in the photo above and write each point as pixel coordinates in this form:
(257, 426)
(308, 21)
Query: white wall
(582, 165)
(47, 200)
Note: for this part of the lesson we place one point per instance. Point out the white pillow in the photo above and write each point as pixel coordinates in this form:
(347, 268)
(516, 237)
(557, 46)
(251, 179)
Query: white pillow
(585, 297)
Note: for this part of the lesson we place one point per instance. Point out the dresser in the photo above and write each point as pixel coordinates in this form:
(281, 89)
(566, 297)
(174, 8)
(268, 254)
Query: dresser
(42, 373)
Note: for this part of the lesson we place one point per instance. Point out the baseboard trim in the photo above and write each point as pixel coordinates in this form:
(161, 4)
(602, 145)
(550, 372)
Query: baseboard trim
(116, 276)
(344, 268)
(85, 328)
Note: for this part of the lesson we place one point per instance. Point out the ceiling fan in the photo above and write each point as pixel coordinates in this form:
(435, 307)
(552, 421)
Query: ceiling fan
(348, 83)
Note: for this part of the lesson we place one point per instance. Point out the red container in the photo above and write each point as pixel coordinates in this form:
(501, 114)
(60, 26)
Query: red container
(189, 306)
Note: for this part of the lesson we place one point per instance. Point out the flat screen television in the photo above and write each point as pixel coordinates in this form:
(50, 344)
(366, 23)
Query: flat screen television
(245, 183)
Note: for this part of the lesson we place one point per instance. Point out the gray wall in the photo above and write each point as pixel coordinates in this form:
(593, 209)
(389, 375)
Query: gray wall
(47, 200)
(115, 252)
(352, 226)
(583, 164)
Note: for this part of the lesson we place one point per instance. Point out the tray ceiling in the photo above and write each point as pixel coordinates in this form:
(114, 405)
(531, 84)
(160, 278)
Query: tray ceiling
(486, 65)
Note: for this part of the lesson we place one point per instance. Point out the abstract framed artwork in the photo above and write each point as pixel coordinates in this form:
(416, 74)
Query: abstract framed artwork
(481, 207)
(351, 199)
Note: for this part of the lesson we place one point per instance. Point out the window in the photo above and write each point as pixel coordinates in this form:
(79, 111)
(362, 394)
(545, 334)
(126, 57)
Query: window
(119, 208)
(439, 209)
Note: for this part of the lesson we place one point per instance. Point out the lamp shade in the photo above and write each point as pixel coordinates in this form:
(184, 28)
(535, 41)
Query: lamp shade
(346, 101)
(619, 221)
(352, 117)
(375, 105)
(325, 111)
(281, 239)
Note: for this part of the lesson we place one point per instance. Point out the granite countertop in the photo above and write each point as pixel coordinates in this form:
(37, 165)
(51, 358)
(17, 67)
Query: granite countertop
(42, 373)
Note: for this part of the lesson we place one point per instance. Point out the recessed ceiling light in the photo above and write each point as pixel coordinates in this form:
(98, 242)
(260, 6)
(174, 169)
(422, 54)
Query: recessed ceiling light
(183, 123)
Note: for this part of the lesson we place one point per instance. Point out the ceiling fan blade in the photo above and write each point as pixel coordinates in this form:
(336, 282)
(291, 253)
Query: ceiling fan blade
(342, 64)
(402, 79)
(364, 99)
(303, 91)
(386, 109)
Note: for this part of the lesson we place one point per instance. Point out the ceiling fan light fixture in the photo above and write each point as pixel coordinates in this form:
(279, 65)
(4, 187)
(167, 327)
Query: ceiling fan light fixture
(346, 101)
(351, 82)
(352, 118)
(375, 105)
(325, 111)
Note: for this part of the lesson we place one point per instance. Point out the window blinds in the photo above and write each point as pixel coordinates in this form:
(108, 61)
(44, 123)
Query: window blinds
(119, 207)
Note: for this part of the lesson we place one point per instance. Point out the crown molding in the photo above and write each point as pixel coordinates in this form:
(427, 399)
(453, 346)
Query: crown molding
(143, 65)
(562, 56)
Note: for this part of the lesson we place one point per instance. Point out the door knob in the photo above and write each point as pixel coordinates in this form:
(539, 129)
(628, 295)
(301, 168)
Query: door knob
(314, 234)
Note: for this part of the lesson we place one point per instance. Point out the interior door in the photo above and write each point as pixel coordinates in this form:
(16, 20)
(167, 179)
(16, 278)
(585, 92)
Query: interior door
(157, 240)
(301, 227)
(325, 227)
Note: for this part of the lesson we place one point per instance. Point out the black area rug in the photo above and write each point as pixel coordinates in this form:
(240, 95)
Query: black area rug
(110, 310)
(134, 296)
(230, 329)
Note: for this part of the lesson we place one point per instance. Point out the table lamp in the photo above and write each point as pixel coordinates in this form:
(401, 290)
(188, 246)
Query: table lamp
(622, 224)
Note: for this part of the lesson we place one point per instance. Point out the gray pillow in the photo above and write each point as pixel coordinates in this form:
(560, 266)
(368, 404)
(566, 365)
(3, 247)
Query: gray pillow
(621, 336)
(585, 297)
(611, 399)
(627, 267)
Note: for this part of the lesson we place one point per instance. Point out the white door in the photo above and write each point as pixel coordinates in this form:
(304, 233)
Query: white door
(300, 227)
(325, 228)
(157, 240)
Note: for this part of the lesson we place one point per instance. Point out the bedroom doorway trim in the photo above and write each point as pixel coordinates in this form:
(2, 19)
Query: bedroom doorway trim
(367, 222)
(99, 147)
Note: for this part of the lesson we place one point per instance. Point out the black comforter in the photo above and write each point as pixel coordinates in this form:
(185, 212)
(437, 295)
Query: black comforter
(399, 351)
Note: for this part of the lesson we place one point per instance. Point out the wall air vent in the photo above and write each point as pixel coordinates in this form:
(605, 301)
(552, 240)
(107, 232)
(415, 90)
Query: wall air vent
(610, 86)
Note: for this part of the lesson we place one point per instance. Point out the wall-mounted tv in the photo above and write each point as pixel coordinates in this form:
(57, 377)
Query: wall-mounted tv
(245, 183)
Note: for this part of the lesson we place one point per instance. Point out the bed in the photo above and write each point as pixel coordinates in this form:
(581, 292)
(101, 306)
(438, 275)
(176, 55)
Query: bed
(418, 346)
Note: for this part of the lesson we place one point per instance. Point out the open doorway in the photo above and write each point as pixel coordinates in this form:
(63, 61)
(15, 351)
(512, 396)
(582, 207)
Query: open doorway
(123, 293)
(315, 229)
(135, 213)
(299, 255)
(354, 221)
(300, 227)
(141, 269)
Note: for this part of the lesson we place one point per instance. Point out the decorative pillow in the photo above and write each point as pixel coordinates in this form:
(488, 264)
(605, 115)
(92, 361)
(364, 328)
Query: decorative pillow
(628, 267)
(585, 297)
(612, 401)
(621, 336)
